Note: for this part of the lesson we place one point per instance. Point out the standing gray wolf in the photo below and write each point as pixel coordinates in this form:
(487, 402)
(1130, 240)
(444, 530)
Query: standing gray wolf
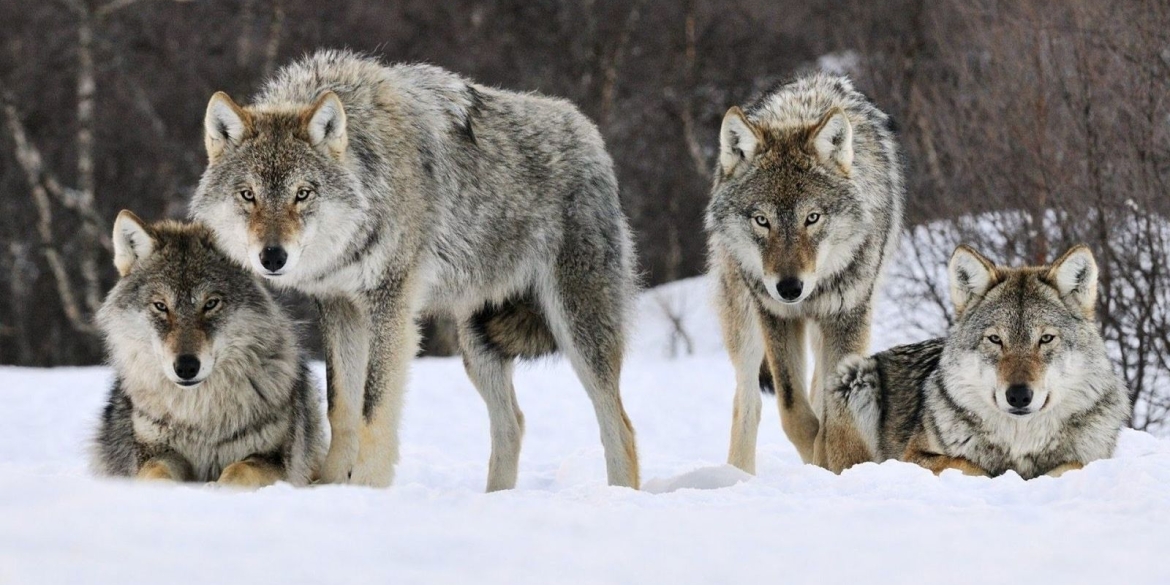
(806, 208)
(390, 192)
(210, 385)
(1021, 383)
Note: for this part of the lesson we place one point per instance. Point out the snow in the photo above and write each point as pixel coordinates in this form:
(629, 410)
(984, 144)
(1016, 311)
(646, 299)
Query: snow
(696, 521)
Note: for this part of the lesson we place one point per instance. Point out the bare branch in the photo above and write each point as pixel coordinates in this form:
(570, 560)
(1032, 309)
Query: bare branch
(30, 162)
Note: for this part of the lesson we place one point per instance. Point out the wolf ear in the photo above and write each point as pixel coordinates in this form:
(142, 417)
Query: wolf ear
(832, 140)
(971, 275)
(132, 241)
(324, 124)
(739, 141)
(1075, 277)
(225, 123)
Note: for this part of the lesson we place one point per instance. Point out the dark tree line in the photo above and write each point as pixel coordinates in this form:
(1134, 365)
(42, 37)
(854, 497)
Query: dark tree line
(1048, 117)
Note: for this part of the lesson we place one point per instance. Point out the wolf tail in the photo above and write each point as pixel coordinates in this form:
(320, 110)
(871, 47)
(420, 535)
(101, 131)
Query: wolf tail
(767, 384)
(516, 329)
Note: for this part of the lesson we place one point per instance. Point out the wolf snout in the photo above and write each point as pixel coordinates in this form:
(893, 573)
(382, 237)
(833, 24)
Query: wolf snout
(272, 258)
(789, 289)
(186, 367)
(1019, 397)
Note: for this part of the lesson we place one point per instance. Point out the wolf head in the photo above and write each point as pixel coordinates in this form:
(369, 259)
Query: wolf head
(785, 202)
(273, 173)
(181, 307)
(1025, 339)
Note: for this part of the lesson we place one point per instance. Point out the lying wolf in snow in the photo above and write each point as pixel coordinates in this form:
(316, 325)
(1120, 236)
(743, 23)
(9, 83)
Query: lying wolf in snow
(1021, 383)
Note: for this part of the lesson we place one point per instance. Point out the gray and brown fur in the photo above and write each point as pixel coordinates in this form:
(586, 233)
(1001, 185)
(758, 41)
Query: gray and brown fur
(209, 382)
(805, 211)
(1021, 383)
(394, 192)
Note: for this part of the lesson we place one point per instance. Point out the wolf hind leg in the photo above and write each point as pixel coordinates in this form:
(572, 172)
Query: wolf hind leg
(852, 414)
(490, 371)
(585, 314)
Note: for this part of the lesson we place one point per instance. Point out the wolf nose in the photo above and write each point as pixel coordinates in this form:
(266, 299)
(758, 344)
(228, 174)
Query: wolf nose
(789, 288)
(1019, 395)
(273, 258)
(187, 366)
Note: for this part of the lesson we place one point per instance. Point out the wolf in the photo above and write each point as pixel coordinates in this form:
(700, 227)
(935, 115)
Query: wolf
(1021, 383)
(209, 382)
(393, 192)
(805, 210)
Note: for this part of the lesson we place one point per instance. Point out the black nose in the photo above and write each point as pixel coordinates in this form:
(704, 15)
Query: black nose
(187, 366)
(273, 258)
(1019, 395)
(789, 288)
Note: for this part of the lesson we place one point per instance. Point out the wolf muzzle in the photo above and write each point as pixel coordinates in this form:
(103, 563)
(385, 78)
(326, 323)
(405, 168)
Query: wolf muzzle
(186, 368)
(272, 258)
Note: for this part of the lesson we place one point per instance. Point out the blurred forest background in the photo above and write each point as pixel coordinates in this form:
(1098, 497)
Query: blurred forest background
(1027, 126)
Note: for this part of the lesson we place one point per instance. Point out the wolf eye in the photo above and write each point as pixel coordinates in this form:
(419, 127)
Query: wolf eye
(761, 220)
(303, 193)
(160, 307)
(210, 304)
(1046, 338)
(995, 339)
(247, 195)
(812, 218)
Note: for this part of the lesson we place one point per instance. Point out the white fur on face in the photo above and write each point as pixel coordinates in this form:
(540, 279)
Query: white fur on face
(229, 228)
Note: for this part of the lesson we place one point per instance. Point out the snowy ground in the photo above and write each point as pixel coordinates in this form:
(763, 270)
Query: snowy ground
(696, 522)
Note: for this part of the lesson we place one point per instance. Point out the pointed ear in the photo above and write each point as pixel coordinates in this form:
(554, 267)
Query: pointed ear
(832, 140)
(324, 125)
(1075, 277)
(971, 275)
(132, 241)
(739, 141)
(224, 123)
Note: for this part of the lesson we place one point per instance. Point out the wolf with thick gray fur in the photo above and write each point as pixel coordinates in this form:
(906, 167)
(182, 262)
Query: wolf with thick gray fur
(805, 211)
(392, 192)
(209, 382)
(1021, 383)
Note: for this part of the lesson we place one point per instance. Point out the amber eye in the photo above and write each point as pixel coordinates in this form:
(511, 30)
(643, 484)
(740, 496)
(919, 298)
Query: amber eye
(210, 304)
(247, 195)
(303, 193)
(995, 339)
(160, 307)
(761, 220)
(812, 218)
(1046, 338)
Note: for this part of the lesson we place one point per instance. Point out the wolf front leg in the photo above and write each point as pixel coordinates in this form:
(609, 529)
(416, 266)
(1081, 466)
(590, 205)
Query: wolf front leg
(918, 452)
(165, 466)
(784, 345)
(837, 446)
(254, 472)
(346, 336)
(393, 343)
(745, 346)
